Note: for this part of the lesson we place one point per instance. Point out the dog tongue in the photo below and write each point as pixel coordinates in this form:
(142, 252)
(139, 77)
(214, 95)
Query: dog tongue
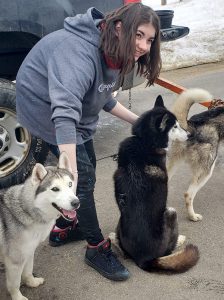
(71, 214)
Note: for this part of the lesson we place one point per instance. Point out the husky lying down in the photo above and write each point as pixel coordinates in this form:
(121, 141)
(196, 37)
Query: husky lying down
(147, 230)
(200, 150)
(27, 214)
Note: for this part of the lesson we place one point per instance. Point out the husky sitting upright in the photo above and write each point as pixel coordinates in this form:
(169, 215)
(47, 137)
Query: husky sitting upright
(27, 213)
(147, 230)
(200, 150)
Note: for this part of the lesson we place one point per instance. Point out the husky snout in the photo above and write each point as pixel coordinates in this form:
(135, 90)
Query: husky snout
(184, 135)
(75, 203)
(178, 133)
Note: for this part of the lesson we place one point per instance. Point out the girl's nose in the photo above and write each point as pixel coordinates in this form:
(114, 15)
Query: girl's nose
(143, 45)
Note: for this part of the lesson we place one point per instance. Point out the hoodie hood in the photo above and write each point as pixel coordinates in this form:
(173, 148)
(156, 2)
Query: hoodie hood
(85, 25)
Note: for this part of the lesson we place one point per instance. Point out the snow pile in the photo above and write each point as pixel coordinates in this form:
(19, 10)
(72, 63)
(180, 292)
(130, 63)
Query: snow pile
(205, 42)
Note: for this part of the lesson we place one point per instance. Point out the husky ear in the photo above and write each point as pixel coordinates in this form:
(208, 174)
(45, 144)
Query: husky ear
(64, 162)
(159, 102)
(163, 122)
(38, 173)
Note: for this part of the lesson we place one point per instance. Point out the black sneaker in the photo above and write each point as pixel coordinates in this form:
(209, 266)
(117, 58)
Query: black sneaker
(59, 236)
(102, 259)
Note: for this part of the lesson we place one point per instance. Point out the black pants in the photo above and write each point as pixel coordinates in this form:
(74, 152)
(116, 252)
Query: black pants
(87, 216)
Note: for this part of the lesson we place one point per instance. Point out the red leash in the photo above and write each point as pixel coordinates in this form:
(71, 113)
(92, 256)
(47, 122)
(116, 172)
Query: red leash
(178, 89)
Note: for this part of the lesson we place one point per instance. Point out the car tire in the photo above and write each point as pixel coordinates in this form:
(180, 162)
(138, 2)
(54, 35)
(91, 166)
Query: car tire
(19, 150)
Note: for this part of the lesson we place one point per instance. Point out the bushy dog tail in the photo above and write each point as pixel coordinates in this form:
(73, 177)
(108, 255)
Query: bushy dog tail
(179, 261)
(184, 102)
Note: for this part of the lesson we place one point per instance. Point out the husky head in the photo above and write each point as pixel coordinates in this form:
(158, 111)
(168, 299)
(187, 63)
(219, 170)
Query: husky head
(55, 189)
(158, 127)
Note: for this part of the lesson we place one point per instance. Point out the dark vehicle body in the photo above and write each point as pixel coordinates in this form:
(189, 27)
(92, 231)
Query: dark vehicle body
(22, 24)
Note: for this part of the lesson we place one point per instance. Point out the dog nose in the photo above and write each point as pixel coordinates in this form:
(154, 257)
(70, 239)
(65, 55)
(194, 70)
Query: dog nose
(75, 203)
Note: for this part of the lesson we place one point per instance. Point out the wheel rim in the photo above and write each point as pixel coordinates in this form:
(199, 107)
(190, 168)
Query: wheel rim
(15, 142)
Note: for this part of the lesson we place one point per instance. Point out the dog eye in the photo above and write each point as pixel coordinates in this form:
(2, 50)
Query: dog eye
(175, 126)
(70, 184)
(55, 189)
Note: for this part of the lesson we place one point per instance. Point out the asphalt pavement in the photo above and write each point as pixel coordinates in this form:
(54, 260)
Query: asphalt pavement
(68, 277)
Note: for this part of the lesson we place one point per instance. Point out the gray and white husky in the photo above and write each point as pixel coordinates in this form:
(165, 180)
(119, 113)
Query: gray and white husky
(27, 213)
(200, 150)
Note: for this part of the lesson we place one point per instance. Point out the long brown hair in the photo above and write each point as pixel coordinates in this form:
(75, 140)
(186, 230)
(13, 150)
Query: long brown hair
(121, 50)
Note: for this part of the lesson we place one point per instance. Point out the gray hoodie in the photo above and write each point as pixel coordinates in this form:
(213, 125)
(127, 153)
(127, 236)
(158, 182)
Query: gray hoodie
(64, 82)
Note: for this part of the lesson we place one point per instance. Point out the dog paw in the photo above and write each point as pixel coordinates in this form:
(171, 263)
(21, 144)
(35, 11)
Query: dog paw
(18, 296)
(22, 298)
(181, 239)
(34, 281)
(171, 209)
(112, 237)
(195, 217)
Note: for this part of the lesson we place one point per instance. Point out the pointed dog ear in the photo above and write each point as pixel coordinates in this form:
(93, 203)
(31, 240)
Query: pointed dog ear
(64, 162)
(163, 122)
(159, 102)
(38, 174)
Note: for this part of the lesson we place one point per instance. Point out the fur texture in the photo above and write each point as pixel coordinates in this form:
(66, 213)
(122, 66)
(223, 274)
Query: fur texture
(147, 230)
(200, 150)
(27, 213)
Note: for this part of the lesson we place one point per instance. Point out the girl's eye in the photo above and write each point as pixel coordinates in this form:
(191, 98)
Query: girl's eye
(70, 184)
(138, 35)
(55, 189)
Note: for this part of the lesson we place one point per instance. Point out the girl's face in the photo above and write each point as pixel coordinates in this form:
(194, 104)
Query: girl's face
(144, 37)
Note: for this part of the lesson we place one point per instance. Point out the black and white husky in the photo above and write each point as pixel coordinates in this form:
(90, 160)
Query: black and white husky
(147, 230)
(27, 214)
